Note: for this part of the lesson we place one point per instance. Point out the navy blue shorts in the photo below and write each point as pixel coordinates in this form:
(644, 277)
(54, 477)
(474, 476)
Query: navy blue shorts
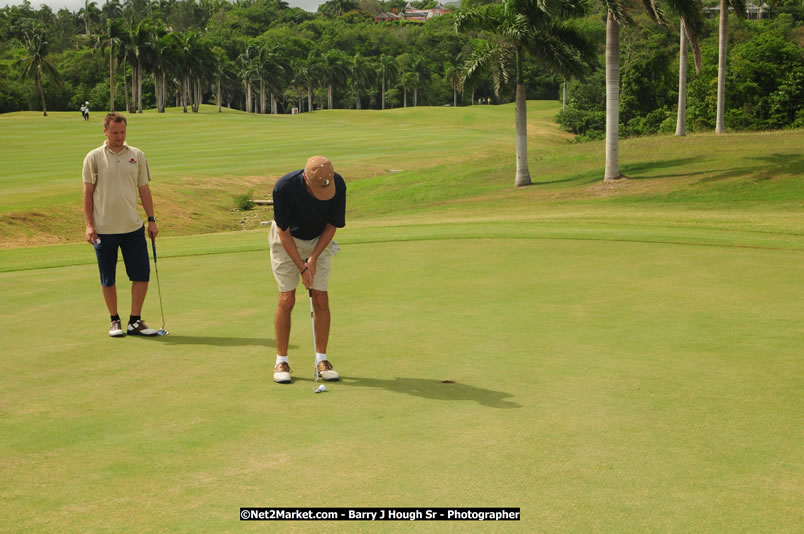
(135, 256)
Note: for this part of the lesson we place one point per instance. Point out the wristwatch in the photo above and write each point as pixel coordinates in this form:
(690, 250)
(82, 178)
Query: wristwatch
(151, 219)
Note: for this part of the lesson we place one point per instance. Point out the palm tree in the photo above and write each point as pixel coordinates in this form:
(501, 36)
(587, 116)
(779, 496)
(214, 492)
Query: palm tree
(221, 70)
(334, 70)
(408, 81)
(194, 56)
(272, 65)
(165, 58)
(455, 76)
(681, 114)
(35, 63)
(495, 60)
(306, 72)
(112, 9)
(723, 44)
(90, 14)
(527, 26)
(248, 71)
(112, 38)
(617, 16)
(360, 69)
(697, 24)
(417, 67)
(389, 71)
(141, 40)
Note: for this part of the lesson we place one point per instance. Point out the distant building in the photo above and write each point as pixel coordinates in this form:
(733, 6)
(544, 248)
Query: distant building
(411, 13)
(752, 11)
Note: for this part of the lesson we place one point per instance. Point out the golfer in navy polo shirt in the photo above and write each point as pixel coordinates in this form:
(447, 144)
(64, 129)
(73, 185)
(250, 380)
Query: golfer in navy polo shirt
(309, 206)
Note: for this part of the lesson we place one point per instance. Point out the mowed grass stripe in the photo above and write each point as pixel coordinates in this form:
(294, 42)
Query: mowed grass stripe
(560, 227)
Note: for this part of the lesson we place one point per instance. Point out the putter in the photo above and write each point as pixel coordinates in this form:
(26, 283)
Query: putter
(312, 320)
(162, 331)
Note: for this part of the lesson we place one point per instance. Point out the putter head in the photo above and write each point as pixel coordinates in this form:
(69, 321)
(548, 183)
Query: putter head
(162, 332)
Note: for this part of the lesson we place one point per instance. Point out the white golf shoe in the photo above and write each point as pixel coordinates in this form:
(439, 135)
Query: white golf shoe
(139, 328)
(282, 373)
(326, 371)
(116, 330)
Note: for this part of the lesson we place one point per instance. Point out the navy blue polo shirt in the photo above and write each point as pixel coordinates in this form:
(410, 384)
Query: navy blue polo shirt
(305, 215)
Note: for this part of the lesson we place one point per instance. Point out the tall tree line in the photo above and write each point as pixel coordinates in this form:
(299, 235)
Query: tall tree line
(617, 59)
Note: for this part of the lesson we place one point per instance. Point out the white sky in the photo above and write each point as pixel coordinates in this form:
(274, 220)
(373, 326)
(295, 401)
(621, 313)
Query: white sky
(75, 5)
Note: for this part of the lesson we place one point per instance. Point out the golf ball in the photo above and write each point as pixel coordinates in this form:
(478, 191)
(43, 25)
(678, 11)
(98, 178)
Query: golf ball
(322, 388)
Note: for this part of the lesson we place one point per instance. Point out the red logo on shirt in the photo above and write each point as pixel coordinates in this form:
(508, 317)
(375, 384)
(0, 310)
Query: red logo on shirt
(132, 161)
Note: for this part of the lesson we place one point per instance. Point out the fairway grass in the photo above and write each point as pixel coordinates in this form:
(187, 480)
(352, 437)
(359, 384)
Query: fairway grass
(420, 163)
(625, 357)
(599, 385)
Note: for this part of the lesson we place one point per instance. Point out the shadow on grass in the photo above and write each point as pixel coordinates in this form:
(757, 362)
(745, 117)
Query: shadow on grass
(432, 389)
(585, 178)
(636, 171)
(172, 339)
(769, 166)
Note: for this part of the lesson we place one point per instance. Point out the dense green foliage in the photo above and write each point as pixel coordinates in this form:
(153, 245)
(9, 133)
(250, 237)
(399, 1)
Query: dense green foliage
(265, 57)
(255, 50)
(764, 84)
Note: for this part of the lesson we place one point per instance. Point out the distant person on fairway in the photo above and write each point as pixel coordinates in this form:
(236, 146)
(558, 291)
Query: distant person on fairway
(113, 175)
(85, 111)
(309, 205)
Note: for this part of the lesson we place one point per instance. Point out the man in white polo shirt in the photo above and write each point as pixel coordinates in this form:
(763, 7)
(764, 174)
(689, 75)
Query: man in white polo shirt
(114, 174)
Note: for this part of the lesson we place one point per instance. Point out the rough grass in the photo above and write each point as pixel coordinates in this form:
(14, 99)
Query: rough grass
(455, 159)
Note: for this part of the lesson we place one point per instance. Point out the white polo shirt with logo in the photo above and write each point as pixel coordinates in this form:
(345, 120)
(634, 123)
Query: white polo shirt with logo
(117, 179)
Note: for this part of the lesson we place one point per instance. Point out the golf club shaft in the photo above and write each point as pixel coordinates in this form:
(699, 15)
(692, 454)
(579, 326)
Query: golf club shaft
(312, 321)
(158, 286)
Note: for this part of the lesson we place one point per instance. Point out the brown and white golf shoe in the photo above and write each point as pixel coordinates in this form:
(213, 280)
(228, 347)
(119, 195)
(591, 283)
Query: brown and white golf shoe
(282, 373)
(326, 371)
(116, 329)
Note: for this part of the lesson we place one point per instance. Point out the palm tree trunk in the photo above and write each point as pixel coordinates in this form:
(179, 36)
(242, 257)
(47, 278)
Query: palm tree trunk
(383, 87)
(309, 96)
(111, 78)
(681, 118)
(357, 96)
(139, 87)
(415, 96)
(185, 87)
(455, 97)
(197, 95)
(125, 86)
(218, 94)
(157, 91)
(262, 96)
(612, 98)
(522, 171)
(38, 84)
(329, 96)
(164, 91)
(564, 95)
(723, 43)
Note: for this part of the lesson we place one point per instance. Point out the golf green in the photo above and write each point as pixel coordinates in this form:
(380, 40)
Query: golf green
(599, 385)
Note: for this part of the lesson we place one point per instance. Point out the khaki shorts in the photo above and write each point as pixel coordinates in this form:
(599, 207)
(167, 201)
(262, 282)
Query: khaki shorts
(285, 271)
